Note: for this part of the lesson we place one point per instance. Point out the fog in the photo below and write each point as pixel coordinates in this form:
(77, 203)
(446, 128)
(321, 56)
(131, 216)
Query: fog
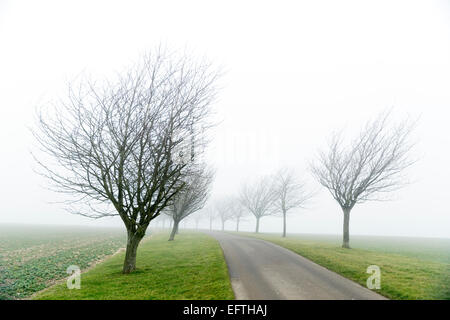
(293, 73)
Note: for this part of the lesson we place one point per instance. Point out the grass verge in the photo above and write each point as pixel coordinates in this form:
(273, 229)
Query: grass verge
(402, 276)
(191, 267)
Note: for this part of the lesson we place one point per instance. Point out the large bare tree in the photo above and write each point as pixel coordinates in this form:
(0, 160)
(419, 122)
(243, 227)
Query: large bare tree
(124, 146)
(290, 193)
(191, 199)
(259, 198)
(368, 168)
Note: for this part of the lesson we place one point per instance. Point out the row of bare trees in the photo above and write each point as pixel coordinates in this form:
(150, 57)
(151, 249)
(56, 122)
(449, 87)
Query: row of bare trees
(131, 146)
(367, 168)
(371, 167)
(224, 210)
(269, 196)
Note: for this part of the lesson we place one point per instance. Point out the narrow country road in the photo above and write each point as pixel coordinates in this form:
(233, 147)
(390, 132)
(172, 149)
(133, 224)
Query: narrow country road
(262, 270)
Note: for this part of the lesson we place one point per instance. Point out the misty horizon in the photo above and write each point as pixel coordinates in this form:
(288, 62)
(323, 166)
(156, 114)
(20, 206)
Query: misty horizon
(293, 75)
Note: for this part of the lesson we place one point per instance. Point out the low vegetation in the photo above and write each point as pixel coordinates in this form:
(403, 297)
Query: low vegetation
(34, 257)
(412, 269)
(191, 267)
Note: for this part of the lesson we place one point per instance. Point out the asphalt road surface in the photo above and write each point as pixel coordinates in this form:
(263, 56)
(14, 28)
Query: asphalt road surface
(260, 270)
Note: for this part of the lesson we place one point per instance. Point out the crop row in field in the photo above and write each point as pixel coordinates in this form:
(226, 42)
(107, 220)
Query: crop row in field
(34, 257)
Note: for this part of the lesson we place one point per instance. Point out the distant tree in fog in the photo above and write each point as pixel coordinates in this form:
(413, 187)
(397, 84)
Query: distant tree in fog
(211, 215)
(237, 211)
(223, 210)
(259, 198)
(191, 199)
(198, 216)
(368, 168)
(290, 193)
(162, 219)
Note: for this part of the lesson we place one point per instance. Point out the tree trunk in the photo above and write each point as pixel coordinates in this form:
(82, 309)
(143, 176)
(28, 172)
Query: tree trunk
(284, 224)
(237, 225)
(210, 224)
(223, 225)
(257, 225)
(129, 264)
(174, 230)
(346, 232)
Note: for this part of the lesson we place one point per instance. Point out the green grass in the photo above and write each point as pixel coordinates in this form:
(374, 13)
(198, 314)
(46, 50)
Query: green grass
(191, 267)
(411, 269)
(433, 249)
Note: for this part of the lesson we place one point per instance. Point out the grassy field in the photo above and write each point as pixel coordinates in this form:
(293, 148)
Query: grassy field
(191, 267)
(411, 268)
(34, 257)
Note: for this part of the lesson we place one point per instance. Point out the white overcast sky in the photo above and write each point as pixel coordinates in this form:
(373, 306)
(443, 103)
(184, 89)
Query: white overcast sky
(295, 71)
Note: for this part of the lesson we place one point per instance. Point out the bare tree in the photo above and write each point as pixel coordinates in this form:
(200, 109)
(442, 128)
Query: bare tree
(259, 199)
(224, 212)
(211, 214)
(197, 218)
(191, 199)
(164, 218)
(369, 168)
(118, 146)
(238, 212)
(290, 193)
